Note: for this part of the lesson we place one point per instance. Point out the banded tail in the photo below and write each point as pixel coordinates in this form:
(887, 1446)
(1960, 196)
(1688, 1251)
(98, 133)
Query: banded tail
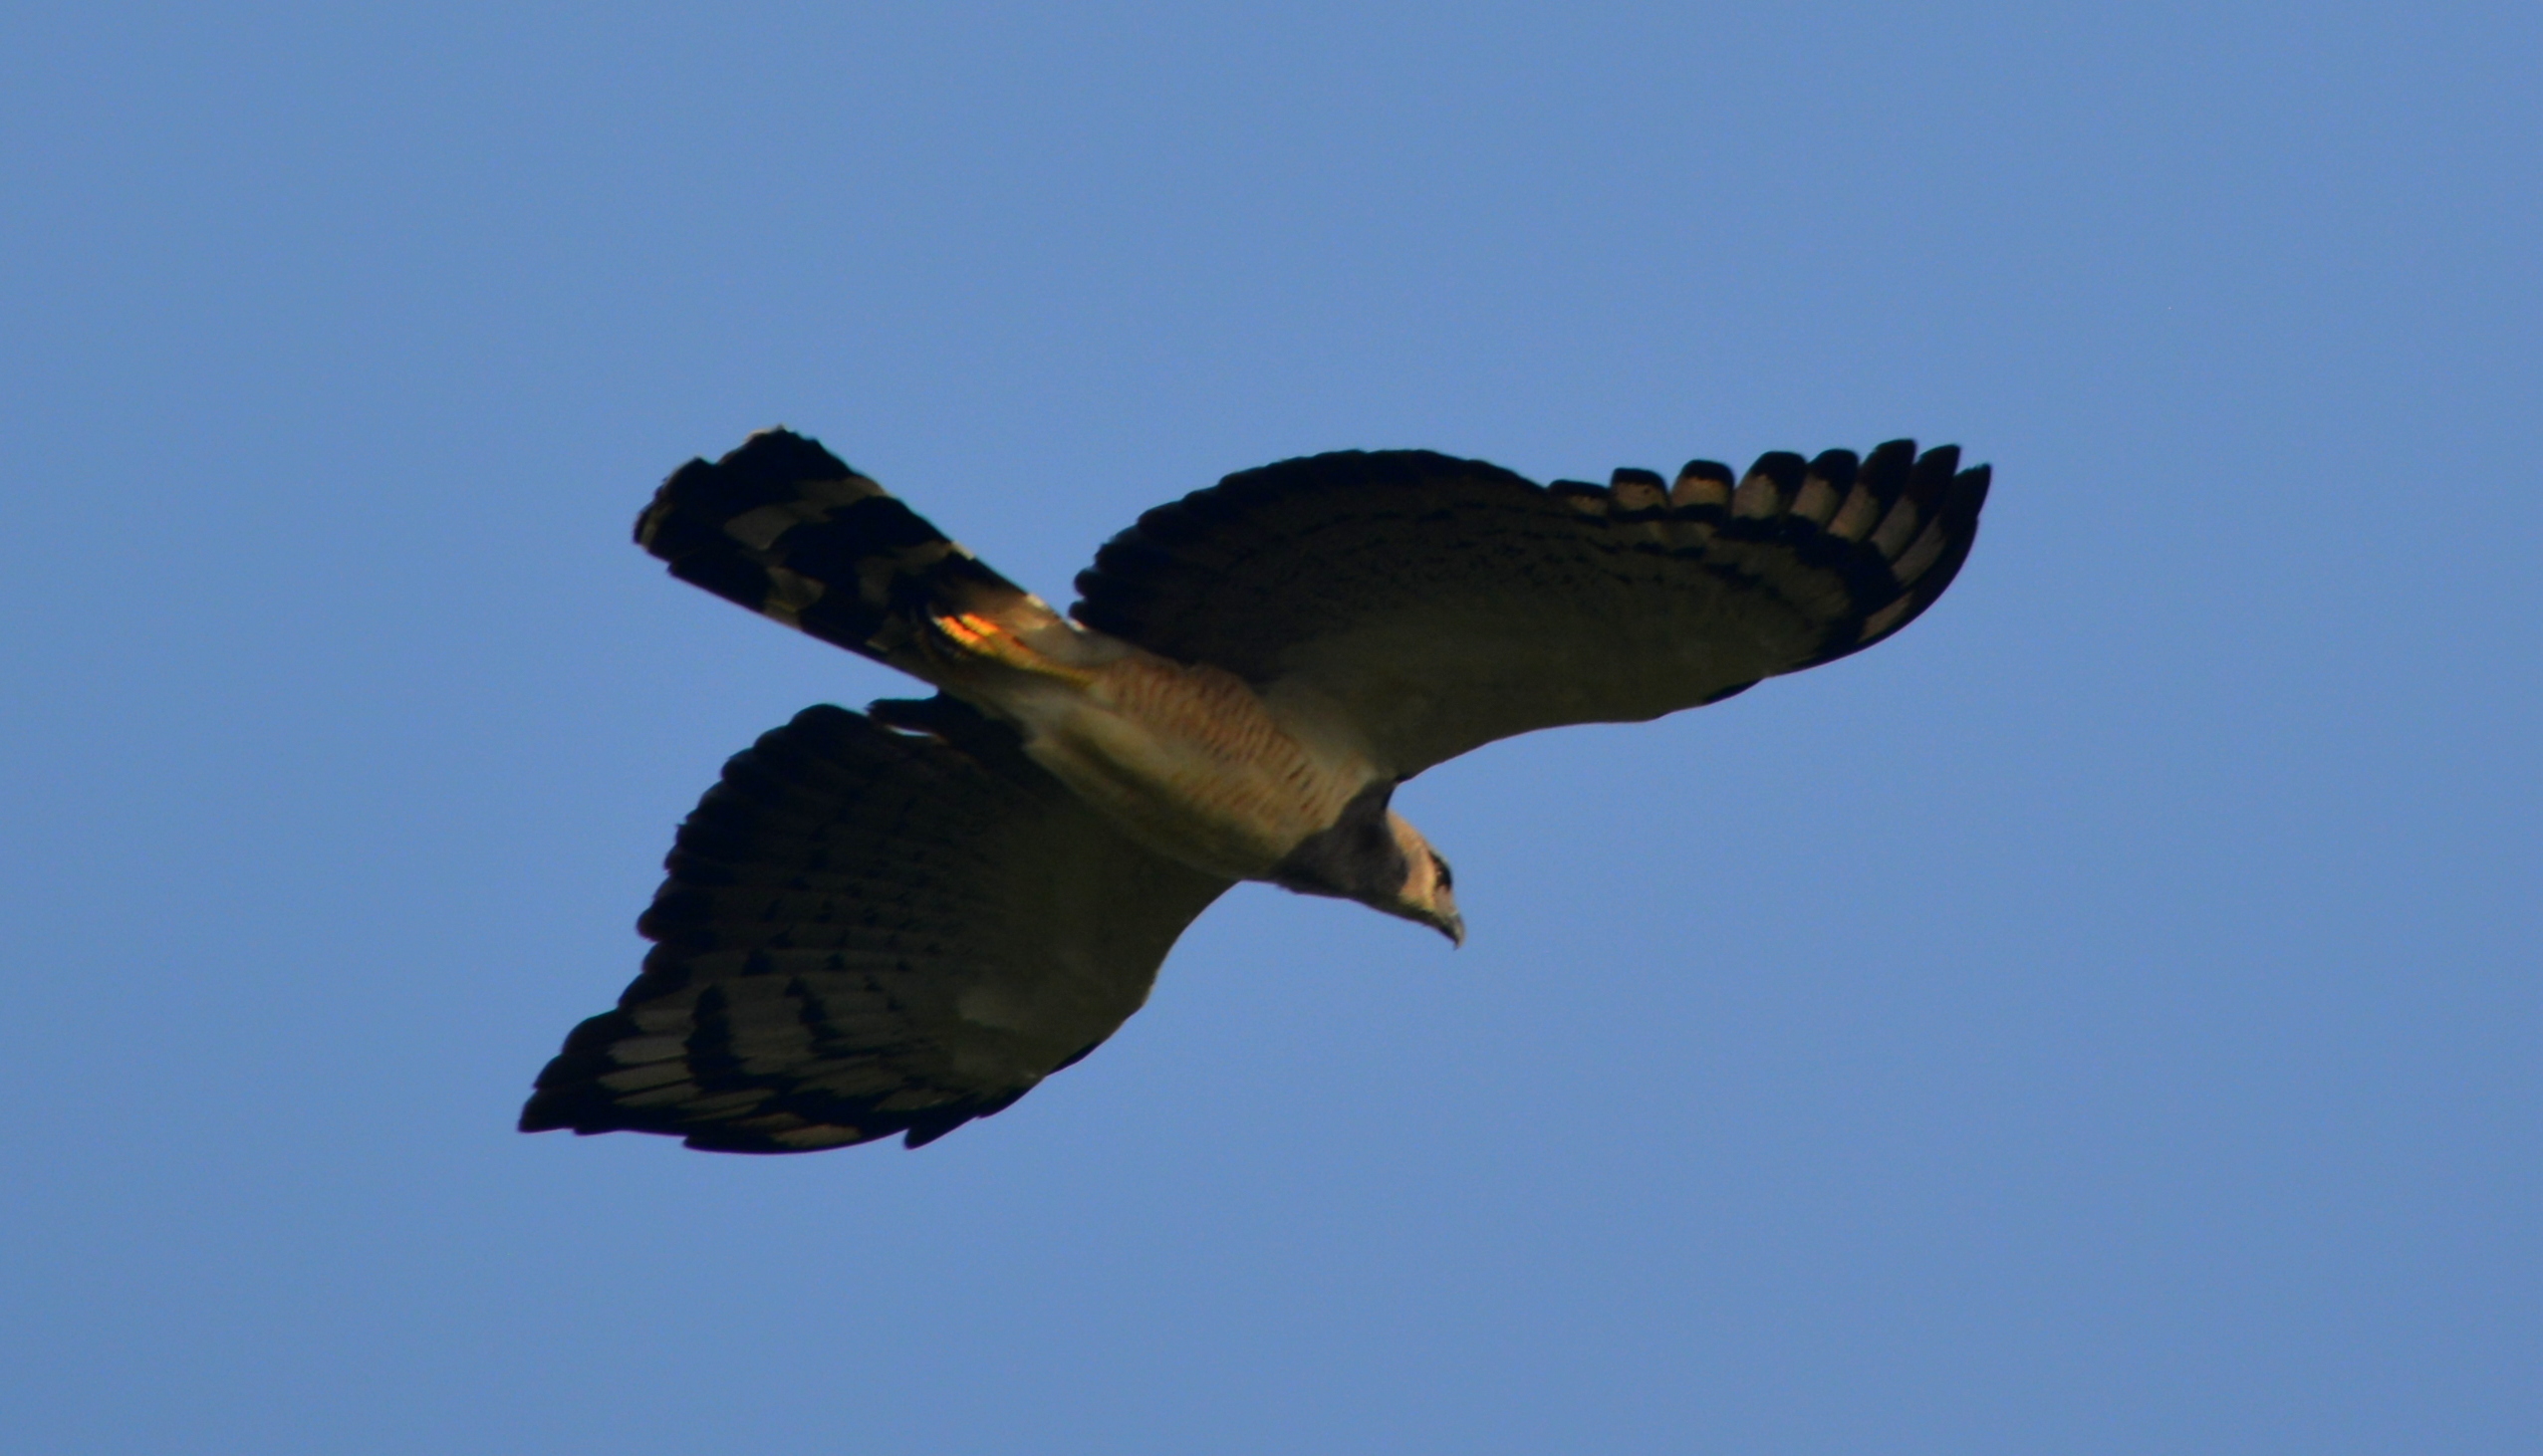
(786, 528)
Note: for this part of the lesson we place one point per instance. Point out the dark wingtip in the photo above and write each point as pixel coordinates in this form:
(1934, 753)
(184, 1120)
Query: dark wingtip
(1837, 467)
(1967, 496)
(1885, 471)
(1969, 492)
(1783, 467)
(1933, 471)
(559, 1110)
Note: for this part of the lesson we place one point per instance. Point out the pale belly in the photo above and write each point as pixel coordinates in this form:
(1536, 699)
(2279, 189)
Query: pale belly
(1187, 761)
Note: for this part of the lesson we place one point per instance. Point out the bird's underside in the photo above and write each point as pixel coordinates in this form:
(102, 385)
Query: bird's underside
(896, 921)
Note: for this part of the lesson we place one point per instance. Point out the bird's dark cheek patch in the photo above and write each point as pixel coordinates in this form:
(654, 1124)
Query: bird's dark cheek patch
(1355, 859)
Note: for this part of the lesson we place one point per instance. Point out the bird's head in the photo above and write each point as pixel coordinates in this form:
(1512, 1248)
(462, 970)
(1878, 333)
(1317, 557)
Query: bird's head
(1428, 891)
(1370, 854)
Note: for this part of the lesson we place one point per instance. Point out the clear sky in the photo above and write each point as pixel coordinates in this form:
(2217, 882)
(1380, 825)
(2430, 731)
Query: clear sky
(2103, 1019)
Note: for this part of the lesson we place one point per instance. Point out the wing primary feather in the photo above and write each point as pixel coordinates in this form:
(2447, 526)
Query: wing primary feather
(1769, 486)
(1915, 504)
(1702, 483)
(1823, 486)
(1699, 502)
(1953, 531)
(1636, 494)
(1935, 472)
(1582, 496)
(1878, 483)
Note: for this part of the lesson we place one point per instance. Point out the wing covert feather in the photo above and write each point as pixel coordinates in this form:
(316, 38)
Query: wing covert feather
(1442, 604)
(867, 933)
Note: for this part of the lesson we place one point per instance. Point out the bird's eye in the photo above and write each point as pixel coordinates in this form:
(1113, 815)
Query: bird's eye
(1446, 880)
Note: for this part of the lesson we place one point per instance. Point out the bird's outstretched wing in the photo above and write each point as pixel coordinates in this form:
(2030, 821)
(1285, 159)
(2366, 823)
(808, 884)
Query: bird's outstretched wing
(869, 931)
(1442, 603)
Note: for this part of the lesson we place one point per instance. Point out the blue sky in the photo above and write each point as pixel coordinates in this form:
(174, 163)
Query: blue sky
(2103, 1019)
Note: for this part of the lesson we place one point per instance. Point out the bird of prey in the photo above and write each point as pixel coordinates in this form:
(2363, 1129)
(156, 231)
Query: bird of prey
(899, 920)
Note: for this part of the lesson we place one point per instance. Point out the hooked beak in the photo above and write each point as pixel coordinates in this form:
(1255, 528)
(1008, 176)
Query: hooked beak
(1454, 927)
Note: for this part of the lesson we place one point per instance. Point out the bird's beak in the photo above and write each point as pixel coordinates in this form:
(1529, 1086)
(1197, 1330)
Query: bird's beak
(1454, 927)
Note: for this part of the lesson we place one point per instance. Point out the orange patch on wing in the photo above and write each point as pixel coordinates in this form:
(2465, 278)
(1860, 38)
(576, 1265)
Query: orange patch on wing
(986, 637)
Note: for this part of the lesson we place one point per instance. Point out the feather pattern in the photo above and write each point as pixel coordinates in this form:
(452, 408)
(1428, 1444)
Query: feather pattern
(1442, 604)
(783, 526)
(866, 933)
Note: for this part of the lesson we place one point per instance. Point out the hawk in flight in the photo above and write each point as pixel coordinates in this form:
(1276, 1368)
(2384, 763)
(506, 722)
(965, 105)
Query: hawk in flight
(902, 919)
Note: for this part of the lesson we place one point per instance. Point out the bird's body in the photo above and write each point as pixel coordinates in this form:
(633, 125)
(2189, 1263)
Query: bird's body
(1186, 758)
(898, 922)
